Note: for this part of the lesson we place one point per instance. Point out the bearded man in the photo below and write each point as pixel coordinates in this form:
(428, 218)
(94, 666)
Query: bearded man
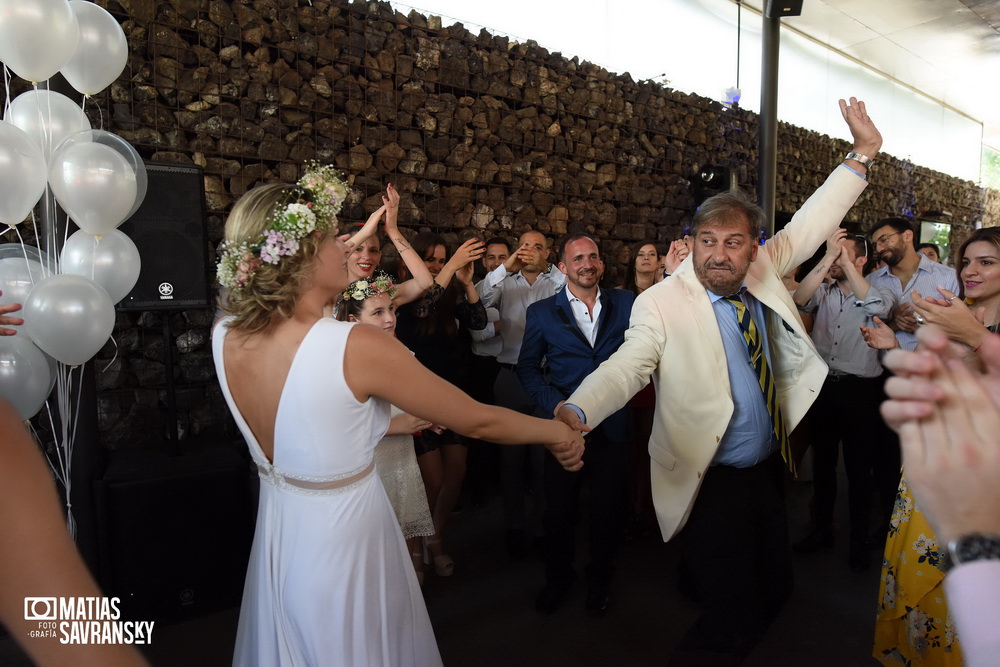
(734, 371)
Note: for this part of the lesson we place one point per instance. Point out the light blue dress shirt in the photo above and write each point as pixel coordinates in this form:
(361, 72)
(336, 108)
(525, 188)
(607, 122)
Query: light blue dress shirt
(749, 438)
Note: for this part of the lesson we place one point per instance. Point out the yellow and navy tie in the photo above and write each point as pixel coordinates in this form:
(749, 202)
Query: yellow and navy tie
(759, 361)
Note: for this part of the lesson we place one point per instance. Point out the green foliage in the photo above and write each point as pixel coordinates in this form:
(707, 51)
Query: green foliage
(990, 169)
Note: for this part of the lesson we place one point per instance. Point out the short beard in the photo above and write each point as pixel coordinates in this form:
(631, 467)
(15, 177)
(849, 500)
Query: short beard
(721, 285)
(893, 258)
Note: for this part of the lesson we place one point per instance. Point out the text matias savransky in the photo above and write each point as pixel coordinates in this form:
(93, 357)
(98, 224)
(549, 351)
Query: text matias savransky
(84, 620)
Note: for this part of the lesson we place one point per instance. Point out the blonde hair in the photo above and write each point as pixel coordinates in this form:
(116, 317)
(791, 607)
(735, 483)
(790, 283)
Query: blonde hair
(273, 289)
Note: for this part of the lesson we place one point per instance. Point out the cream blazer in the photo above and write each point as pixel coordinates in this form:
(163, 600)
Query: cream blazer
(673, 336)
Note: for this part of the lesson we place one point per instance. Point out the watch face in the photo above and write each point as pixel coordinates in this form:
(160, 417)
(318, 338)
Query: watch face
(973, 547)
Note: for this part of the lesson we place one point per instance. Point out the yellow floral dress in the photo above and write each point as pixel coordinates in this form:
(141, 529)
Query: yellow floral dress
(913, 627)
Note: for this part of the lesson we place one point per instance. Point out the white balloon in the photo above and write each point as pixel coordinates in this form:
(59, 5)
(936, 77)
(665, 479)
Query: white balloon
(93, 183)
(48, 117)
(123, 148)
(26, 375)
(17, 277)
(131, 156)
(100, 54)
(37, 37)
(22, 174)
(69, 317)
(20, 250)
(112, 261)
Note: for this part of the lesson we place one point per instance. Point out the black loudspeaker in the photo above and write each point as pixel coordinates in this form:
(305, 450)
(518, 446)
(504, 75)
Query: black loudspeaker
(175, 531)
(711, 180)
(169, 231)
(780, 8)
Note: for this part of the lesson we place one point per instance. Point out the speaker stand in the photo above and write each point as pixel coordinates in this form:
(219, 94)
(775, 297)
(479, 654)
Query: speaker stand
(173, 437)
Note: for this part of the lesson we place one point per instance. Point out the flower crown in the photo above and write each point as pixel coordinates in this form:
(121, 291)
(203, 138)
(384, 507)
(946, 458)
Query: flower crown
(314, 206)
(380, 283)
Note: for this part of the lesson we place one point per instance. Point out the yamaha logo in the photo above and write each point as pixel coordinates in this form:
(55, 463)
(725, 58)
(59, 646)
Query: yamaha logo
(166, 291)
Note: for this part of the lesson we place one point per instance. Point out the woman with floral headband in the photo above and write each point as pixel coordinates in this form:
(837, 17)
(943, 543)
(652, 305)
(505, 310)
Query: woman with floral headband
(371, 302)
(329, 580)
(366, 255)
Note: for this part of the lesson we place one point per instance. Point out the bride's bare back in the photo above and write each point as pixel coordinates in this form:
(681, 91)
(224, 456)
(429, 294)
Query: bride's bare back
(256, 367)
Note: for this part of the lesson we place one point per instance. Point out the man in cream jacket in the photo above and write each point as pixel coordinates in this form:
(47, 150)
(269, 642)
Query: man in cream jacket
(717, 467)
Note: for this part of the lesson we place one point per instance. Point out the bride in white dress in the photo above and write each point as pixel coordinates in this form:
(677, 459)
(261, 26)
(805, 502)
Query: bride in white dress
(329, 580)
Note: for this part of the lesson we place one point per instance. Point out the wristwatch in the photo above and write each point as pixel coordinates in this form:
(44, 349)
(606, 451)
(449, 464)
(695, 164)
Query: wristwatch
(971, 547)
(863, 159)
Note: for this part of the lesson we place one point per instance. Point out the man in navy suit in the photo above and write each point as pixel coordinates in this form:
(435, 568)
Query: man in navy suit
(566, 337)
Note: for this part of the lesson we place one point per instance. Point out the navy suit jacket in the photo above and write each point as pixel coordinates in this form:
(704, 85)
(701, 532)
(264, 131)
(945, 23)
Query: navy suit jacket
(551, 333)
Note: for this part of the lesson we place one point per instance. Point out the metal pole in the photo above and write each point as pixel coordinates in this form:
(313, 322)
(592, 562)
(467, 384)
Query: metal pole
(767, 168)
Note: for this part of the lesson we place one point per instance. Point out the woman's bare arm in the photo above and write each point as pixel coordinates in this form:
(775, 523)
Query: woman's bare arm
(37, 556)
(377, 365)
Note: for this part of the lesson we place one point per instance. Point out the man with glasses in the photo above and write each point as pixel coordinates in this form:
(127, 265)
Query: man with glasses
(906, 271)
(846, 410)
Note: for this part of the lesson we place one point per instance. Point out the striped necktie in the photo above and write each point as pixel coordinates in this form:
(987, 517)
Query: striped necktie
(759, 361)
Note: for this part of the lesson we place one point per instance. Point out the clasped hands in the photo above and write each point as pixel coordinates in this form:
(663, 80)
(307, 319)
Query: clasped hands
(570, 452)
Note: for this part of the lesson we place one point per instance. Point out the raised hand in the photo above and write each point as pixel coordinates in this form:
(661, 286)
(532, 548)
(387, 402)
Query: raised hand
(390, 201)
(467, 253)
(835, 244)
(675, 255)
(464, 274)
(369, 228)
(529, 256)
(867, 138)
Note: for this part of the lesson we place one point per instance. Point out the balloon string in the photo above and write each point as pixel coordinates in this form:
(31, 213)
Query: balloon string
(100, 114)
(6, 90)
(115, 343)
(45, 126)
(24, 253)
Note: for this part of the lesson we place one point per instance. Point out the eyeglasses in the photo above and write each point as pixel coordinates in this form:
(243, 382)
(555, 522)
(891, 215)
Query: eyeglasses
(863, 239)
(880, 241)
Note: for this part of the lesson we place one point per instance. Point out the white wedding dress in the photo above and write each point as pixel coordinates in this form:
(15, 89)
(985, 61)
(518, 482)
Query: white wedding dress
(329, 580)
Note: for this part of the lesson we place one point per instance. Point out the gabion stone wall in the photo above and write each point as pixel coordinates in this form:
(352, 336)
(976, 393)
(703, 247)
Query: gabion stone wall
(480, 134)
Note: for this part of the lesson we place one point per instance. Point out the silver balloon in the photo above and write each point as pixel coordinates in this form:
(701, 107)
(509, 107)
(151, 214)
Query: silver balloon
(38, 37)
(93, 183)
(26, 375)
(112, 261)
(48, 117)
(69, 317)
(101, 53)
(22, 173)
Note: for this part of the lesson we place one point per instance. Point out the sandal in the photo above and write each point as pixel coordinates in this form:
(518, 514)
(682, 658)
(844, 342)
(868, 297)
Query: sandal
(444, 566)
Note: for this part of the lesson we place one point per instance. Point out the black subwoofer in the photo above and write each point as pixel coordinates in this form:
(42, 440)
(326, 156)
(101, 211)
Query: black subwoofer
(175, 531)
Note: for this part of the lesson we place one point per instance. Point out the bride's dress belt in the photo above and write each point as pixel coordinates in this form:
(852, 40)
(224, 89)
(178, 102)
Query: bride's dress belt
(279, 479)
